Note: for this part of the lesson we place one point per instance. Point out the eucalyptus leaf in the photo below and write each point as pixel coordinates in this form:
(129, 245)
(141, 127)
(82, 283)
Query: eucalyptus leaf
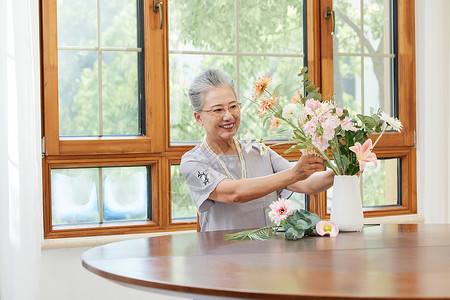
(310, 88)
(293, 234)
(369, 122)
(305, 77)
(310, 95)
(303, 71)
(302, 224)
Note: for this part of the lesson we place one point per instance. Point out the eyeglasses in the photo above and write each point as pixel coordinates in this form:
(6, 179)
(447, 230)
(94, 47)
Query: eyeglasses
(220, 111)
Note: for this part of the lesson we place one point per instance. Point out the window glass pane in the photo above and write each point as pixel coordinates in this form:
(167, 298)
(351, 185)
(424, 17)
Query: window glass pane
(379, 185)
(347, 27)
(74, 196)
(183, 68)
(120, 94)
(98, 195)
(125, 192)
(78, 93)
(378, 91)
(119, 23)
(98, 86)
(77, 23)
(183, 207)
(263, 28)
(268, 27)
(347, 83)
(202, 25)
(364, 67)
(377, 26)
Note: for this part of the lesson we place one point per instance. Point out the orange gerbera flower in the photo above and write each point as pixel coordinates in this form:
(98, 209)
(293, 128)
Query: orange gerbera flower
(296, 98)
(261, 85)
(266, 103)
(274, 123)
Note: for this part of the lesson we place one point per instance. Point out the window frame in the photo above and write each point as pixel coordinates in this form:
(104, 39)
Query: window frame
(154, 148)
(393, 144)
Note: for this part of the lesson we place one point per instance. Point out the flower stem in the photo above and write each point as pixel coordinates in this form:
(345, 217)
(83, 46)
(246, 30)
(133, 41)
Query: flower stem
(373, 146)
(336, 171)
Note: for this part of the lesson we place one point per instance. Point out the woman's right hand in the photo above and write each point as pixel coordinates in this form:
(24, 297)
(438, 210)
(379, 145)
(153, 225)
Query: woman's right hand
(307, 165)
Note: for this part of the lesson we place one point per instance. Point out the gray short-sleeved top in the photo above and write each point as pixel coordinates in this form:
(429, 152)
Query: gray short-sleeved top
(203, 173)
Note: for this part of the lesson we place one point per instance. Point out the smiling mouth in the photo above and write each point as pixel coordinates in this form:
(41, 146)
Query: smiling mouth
(229, 126)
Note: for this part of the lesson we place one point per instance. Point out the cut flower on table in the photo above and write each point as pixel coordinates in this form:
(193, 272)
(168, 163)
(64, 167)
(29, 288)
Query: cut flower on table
(297, 223)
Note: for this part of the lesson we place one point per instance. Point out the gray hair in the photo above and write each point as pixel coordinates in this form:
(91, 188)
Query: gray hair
(204, 82)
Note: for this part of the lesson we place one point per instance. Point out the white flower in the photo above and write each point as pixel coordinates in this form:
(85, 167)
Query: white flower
(263, 149)
(289, 110)
(302, 116)
(395, 123)
(248, 143)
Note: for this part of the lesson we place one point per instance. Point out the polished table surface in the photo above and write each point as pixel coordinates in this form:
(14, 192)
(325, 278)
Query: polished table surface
(409, 261)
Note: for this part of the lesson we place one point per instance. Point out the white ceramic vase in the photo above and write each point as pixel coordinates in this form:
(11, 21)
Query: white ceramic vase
(346, 203)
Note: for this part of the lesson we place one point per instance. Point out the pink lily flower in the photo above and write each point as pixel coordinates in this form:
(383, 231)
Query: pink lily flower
(347, 125)
(327, 227)
(364, 153)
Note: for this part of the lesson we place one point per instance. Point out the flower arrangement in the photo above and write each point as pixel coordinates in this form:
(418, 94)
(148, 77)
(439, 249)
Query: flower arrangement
(317, 126)
(296, 223)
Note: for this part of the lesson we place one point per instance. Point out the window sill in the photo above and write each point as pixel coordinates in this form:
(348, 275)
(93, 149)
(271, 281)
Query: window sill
(98, 240)
(402, 219)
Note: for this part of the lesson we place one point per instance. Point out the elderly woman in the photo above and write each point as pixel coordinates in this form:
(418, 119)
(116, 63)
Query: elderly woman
(233, 188)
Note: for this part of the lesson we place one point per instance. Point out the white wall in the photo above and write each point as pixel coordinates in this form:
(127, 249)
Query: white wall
(433, 96)
(20, 171)
(65, 278)
(57, 274)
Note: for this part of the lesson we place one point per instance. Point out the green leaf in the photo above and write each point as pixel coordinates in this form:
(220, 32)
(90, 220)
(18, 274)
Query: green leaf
(302, 224)
(318, 96)
(345, 162)
(349, 139)
(310, 88)
(310, 95)
(345, 113)
(293, 234)
(305, 77)
(360, 137)
(299, 223)
(276, 91)
(311, 216)
(369, 122)
(266, 119)
(294, 147)
(303, 71)
(259, 234)
(353, 169)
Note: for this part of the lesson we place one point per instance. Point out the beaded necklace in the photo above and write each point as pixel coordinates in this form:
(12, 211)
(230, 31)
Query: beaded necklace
(241, 159)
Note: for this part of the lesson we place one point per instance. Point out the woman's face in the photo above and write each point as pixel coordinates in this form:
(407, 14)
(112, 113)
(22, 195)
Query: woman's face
(220, 114)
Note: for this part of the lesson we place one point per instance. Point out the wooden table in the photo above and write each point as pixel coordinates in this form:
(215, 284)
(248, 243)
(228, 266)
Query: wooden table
(383, 261)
